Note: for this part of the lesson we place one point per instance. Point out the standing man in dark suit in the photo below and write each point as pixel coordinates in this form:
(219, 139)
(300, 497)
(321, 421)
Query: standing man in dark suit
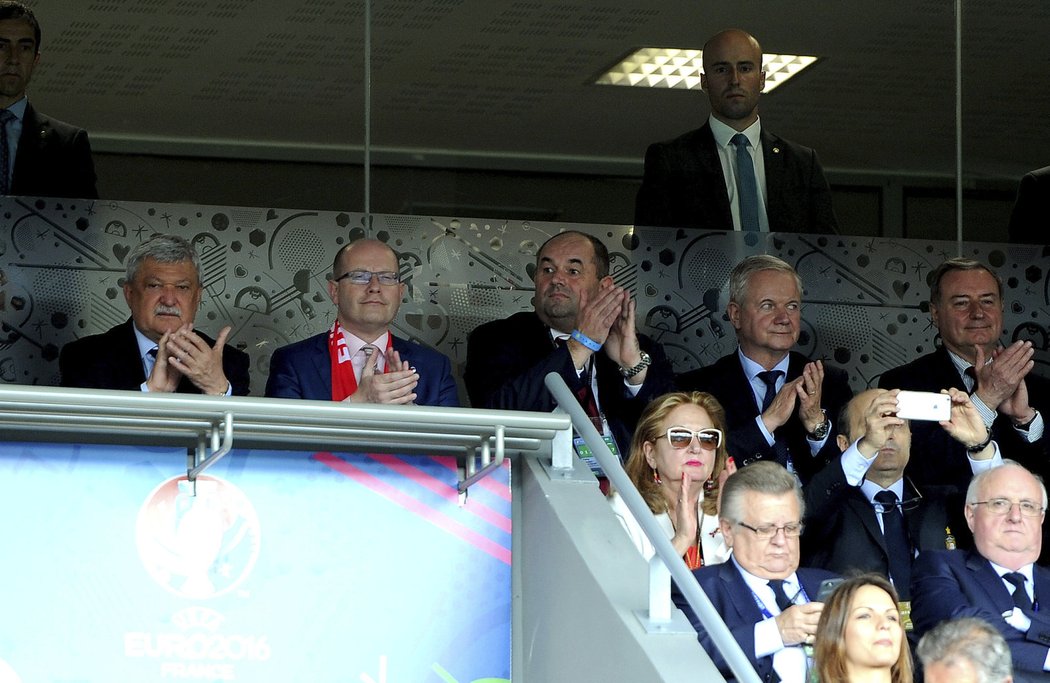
(966, 307)
(1030, 219)
(583, 328)
(39, 156)
(863, 515)
(998, 582)
(766, 601)
(777, 401)
(359, 359)
(732, 174)
(158, 350)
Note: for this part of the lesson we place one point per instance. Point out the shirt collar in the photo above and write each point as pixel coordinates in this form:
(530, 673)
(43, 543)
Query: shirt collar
(723, 134)
(145, 343)
(759, 585)
(751, 368)
(354, 343)
(869, 489)
(19, 108)
(1026, 570)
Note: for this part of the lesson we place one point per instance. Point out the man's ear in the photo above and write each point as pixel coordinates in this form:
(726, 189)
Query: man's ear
(733, 311)
(842, 442)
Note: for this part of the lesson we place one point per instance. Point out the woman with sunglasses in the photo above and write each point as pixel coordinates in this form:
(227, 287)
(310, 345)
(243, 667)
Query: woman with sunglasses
(678, 462)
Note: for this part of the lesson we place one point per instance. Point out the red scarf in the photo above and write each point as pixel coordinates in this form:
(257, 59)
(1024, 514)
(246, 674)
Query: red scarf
(344, 382)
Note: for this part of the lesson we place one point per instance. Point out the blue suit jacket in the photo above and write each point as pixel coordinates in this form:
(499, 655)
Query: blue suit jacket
(732, 598)
(304, 370)
(950, 583)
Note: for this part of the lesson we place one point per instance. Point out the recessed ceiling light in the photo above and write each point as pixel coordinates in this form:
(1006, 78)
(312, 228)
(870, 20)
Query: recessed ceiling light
(668, 67)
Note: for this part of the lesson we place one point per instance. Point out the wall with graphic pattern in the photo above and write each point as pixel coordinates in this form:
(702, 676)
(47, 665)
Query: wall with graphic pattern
(264, 273)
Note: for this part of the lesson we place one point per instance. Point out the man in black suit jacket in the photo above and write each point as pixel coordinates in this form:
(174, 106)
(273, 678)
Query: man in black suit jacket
(691, 181)
(576, 301)
(966, 307)
(1030, 219)
(999, 581)
(158, 350)
(847, 504)
(761, 518)
(50, 158)
(793, 426)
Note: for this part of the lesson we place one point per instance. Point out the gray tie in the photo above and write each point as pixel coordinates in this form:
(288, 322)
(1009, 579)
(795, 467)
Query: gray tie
(5, 152)
(746, 187)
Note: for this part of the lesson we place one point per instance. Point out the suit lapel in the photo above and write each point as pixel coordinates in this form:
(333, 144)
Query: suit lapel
(773, 162)
(989, 582)
(713, 177)
(947, 372)
(868, 518)
(740, 594)
(743, 400)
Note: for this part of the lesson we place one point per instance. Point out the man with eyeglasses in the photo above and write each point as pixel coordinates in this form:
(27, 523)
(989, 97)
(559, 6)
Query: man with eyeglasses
(999, 580)
(359, 359)
(864, 515)
(766, 600)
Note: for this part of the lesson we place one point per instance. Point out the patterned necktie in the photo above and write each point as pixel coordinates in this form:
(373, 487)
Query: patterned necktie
(5, 152)
(1021, 599)
(971, 372)
(585, 394)
(782, 600)
(898, 548)
(746, 187)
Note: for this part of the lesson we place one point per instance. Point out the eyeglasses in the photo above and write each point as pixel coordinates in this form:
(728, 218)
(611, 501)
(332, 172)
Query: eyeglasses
(1002, 506)
(363, 277)
(769, 531)
(680, 437)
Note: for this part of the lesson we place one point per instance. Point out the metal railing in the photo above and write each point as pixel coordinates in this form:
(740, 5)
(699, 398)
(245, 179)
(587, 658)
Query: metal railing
(665, 552)
(208, 426)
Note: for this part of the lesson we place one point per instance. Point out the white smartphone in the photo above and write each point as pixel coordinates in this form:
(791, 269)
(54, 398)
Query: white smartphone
(924, 405)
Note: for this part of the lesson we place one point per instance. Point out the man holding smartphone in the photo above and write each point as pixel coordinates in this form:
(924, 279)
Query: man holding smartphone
(863, 515)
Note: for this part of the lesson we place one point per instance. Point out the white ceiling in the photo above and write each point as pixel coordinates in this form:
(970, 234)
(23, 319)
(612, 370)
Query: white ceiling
(505, 83)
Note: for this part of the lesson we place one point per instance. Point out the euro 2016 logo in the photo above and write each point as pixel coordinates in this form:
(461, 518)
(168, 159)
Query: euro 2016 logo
(198, 546)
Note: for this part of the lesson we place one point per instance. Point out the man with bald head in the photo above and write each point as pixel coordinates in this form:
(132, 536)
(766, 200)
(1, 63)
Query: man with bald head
(863, 515)
(359, 359)
(731, 174)
(998, 581)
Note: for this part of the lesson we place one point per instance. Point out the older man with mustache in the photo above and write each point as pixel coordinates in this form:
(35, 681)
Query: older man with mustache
(158, 350)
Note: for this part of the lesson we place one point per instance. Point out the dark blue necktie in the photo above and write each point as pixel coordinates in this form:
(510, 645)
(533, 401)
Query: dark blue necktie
(781, 598)
(769, 377)
(746, 187)
(5, 152)
(780, 450)
(1021, 599)
(898, 548)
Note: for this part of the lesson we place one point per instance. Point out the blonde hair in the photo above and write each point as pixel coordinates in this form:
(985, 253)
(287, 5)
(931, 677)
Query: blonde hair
(650, 429)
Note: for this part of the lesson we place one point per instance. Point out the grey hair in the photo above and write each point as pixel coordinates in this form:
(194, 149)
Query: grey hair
(973, 491)
(955, 264)
(162, 249)
(765, 477)
(968, 639)
(740, 278)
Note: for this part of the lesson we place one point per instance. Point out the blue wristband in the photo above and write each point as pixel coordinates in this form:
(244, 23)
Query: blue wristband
(586, 341)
